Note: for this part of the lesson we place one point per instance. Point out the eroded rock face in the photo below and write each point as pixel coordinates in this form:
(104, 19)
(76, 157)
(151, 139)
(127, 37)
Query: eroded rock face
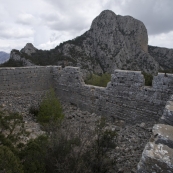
(158, 153)
(114, 42)
(17, 56)
(167, 117)
(29, 49)
(163, 56)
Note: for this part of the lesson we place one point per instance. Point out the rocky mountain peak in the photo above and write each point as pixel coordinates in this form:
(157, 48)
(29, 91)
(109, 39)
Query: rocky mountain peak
(29, 49)
(120, 29)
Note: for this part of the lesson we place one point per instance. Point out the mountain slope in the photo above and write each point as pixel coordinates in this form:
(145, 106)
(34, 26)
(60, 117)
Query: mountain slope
(4, 57)
(163, 56)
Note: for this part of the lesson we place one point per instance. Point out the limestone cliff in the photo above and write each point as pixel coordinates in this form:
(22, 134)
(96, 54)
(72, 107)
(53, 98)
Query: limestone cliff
(114, 42)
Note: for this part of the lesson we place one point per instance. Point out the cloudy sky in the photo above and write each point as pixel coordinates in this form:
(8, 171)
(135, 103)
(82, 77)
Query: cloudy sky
(46, 23)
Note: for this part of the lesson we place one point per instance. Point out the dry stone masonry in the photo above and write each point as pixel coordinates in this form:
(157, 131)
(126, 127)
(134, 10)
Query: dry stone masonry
(125, 98)
(26, 78)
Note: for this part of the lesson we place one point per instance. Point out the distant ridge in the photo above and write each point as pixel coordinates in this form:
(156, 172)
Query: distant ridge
(4, 56)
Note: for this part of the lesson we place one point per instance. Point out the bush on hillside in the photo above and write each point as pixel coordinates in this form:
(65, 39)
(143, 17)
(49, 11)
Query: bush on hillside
(9, 162)
(12, 63)
(61, 150)
(166, 71)
(71, 151)
(33, 155)
(97, 80)
(50, 109)
(148, 79)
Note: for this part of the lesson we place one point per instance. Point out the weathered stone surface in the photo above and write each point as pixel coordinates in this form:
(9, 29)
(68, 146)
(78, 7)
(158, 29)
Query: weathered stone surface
(158, 153)
(116, 42)
(163, 56)
(33, 78)
(17, 56)
(29, 49)
(167, 116)
(125, 97)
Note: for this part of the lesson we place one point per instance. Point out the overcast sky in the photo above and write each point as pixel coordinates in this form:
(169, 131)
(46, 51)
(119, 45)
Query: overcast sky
(46, 23)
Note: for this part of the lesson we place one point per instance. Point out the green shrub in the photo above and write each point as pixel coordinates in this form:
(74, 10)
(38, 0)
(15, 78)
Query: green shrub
(97, 80)
(61, 150)
(9, 163)
(96, 157)
(33, 155)
(50, 109)
(148, 79)
(34, 110)
(71, 151)
(8, 123)
(166, 71)
(12, 63)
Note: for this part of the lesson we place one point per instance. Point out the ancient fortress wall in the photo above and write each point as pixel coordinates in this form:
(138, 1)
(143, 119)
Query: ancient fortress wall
(125, 97)
(26, 78)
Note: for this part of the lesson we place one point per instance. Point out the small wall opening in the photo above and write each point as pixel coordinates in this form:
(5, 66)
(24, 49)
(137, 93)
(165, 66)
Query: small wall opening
(98, 80)
(148, 79)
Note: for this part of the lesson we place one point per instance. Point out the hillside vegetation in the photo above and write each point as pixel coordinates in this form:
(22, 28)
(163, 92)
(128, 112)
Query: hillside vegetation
(97, 80)
(60, 149)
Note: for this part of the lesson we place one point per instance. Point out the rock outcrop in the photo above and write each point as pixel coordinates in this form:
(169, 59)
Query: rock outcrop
(29, 49)
(119, 42)
(163, 56)
(15, 55)
(115, 42)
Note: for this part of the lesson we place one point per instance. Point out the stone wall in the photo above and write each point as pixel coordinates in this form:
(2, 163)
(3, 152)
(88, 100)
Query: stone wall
(125, 97)
(26, 78)
(157, 155)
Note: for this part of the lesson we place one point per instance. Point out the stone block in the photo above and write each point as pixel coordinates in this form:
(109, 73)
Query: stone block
(167, 116)
(157, 156)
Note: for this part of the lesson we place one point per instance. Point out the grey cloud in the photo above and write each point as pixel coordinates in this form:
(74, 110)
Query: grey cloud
(26, 19)
(155, 14)
(66, 22)
(12, 32)
(37, 20)
(73, 15)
